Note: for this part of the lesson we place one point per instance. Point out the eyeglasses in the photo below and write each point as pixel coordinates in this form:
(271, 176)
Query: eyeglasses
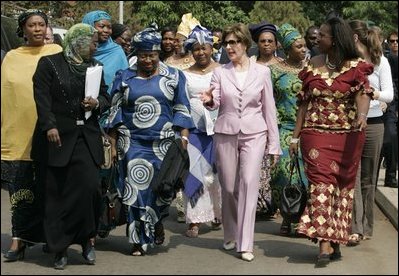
(393, 40)
(266, 40)
(232, 43)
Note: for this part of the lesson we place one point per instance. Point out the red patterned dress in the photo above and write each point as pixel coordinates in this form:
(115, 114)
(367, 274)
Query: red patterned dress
(331, 147)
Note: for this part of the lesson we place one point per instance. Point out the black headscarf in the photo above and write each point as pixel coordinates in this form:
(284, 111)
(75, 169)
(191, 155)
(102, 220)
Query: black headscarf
(22, 18)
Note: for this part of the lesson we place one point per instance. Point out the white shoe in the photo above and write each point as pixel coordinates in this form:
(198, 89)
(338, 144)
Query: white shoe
(247, 256)
(229, 245)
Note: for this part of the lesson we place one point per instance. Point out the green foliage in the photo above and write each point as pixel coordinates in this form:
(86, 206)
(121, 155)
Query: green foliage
(317, 11)
(278, 13)
(383, 14)
(211, 14)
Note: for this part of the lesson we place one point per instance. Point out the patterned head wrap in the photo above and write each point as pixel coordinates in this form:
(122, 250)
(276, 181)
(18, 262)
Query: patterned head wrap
(188, 22)
(287, 35)
(25, 16)
(94, 16)
(199, 35)
(77, 43)
(257, 29)
(148, 39)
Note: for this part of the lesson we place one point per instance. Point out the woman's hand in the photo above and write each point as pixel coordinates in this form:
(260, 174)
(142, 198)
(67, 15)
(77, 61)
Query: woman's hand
(206, 96)
(361, 122)
(274, 158)
(89, 103)
(293, 149)
(54, 137)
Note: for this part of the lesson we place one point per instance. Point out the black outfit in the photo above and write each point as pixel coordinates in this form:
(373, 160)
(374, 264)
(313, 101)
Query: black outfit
(390, 145)
(71, 172)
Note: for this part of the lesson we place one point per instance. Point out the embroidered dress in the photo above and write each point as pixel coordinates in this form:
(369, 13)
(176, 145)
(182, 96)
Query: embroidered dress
(331, 147)
(144, 111)
(286, 86)
(202, 188)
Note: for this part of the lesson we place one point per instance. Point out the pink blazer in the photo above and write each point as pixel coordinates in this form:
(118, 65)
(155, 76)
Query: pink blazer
(249, 109)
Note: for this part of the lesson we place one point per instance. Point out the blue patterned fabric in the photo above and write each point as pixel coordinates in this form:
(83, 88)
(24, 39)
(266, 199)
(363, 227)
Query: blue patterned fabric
(144, 111)
(110, 54)
(148, 39)
(199, 35)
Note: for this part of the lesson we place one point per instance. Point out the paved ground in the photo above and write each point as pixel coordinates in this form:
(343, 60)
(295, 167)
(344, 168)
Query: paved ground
(204, 255)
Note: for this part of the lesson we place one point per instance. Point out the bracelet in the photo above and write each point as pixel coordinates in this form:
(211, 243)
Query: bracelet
(185, 138)
(294, 141)
(363, 114)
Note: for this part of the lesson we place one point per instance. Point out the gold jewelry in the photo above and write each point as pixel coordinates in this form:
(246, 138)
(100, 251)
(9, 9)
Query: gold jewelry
(294, 141)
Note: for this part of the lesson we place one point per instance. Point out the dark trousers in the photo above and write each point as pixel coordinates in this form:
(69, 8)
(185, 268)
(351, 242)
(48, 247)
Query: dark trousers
(26, 200)
(390, 151)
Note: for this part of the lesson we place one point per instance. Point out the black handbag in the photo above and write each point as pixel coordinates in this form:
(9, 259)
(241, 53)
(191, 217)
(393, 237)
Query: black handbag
(294, 195)
(113, 211)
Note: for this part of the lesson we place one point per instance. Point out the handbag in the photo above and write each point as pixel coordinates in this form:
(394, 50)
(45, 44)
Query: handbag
(113, 211)
(294, 195)
(106, 140)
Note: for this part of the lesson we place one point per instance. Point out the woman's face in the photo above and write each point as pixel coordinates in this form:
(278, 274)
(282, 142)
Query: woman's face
(179, 41)
(325, 38)
(93, 44)
(125, 41)
(104, 29)
(298, 49)
(168, 42)
(147, 61)
(234, 47)
(267, 44)
(202, 54)
(35, 30)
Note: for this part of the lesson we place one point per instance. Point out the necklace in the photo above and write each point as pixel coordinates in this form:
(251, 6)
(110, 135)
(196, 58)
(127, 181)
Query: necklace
(329, 64)
(297, 66)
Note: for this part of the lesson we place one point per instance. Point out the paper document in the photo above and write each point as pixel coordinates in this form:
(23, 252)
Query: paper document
(92, 84)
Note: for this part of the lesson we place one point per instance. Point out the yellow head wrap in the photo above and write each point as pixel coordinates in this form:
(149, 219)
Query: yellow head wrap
(188, 22)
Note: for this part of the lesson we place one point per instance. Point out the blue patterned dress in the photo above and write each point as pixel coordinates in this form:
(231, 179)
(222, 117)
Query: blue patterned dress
(145, 112)
(286, 86)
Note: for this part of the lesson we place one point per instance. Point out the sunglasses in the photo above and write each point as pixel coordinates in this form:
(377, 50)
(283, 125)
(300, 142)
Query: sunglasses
(393, 40)
(232, 43)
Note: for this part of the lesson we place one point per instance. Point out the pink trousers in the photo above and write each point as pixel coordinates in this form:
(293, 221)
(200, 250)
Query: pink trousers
(238, 161)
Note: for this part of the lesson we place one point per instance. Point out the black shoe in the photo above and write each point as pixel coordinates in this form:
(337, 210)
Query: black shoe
(12, 256)
(61, 260)
(323, 260)
(89, 254)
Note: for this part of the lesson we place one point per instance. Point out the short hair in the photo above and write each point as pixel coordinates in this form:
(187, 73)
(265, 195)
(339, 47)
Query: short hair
(168, 29)
(241, 31)
(217, 30)
(392, 33)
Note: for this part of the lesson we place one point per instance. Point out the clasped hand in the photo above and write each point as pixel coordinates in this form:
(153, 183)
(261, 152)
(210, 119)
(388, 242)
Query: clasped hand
(89, 103)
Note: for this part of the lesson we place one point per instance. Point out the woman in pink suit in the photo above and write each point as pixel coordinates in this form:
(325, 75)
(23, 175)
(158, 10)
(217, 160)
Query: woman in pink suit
(245, 128)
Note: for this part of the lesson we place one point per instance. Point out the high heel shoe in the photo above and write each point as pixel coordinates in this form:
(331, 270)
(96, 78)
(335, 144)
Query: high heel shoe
(15, 255)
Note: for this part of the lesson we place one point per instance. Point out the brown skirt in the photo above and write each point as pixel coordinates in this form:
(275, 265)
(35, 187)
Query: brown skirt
(331, 163)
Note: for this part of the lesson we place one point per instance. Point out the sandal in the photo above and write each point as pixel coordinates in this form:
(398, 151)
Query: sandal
(192, 231)
(159, 233)
(137, 250)
(354, 239)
